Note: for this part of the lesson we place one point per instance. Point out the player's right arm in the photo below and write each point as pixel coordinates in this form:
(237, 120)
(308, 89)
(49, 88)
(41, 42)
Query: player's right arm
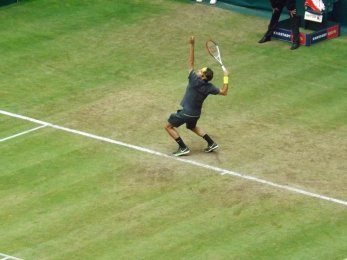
(224, 90)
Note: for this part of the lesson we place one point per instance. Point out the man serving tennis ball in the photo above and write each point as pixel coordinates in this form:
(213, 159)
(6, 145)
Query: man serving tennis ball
(199, 87)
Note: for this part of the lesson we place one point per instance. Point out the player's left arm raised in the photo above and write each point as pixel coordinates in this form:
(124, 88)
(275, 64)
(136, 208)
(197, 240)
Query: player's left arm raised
(191, 54)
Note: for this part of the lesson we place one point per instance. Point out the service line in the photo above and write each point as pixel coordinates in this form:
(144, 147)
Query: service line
(22, 133)
(8, 257)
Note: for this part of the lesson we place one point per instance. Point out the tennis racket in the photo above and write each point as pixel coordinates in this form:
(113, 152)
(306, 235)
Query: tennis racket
(213, 49)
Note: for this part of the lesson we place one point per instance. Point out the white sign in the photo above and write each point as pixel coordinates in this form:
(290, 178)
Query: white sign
(313, 17)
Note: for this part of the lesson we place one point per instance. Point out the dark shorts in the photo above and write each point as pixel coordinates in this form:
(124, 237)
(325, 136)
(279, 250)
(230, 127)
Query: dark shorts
(179, 118)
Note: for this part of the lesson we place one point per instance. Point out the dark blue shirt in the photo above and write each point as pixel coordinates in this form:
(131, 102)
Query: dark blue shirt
(196, 93)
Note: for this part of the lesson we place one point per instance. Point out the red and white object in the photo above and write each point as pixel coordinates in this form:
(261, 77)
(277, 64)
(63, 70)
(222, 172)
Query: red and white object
(315, 5)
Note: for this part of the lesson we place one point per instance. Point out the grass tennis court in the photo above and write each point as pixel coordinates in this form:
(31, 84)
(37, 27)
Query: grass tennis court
(117, 69)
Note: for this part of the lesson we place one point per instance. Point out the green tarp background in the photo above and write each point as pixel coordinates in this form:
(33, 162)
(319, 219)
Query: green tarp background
(337, 9)
(339, 14)
(6, 2)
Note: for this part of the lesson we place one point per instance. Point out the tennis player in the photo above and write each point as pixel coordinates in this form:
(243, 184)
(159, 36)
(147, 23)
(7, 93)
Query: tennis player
(199, 87)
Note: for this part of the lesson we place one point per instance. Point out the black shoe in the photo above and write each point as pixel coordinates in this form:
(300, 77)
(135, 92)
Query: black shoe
(295, 45)
(265, 39)
(211, 147)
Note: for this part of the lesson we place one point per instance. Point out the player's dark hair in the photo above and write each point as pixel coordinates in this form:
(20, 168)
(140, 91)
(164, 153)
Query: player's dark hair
(208, 74)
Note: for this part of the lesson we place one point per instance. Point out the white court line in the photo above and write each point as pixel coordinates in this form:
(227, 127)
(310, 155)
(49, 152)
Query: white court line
(22, 133)
(8, 257)
(187, 161)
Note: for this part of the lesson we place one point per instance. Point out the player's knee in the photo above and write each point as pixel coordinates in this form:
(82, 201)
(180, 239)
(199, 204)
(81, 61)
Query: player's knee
(168, 126)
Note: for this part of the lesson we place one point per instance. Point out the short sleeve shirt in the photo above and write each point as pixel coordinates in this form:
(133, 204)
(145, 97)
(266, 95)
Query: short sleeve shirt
(196, 93)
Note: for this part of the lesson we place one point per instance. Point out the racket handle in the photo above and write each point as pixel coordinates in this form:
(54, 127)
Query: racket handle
(223, 68)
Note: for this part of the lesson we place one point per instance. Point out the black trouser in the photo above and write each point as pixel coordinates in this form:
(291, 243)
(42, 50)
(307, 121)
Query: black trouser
(277, 10)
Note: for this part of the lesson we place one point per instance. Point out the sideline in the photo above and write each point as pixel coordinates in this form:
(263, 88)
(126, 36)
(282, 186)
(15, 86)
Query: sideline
(187, 161)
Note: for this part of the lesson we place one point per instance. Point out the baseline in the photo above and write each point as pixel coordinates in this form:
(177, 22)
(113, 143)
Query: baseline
(195, 163)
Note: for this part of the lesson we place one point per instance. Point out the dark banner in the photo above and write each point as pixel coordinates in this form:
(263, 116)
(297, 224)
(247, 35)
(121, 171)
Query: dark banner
(256, 4)
(7, 2)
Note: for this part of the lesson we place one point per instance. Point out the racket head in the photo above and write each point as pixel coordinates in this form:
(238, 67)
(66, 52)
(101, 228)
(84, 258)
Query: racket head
(213, 49)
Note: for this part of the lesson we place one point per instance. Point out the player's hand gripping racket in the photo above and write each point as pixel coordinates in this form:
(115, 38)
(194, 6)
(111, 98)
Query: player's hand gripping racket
(213, 50)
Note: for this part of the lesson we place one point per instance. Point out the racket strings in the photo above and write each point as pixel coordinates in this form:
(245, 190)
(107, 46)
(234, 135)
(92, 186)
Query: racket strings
(213, 50)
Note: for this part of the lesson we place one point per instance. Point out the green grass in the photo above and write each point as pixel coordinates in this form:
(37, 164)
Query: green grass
(118, 69)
